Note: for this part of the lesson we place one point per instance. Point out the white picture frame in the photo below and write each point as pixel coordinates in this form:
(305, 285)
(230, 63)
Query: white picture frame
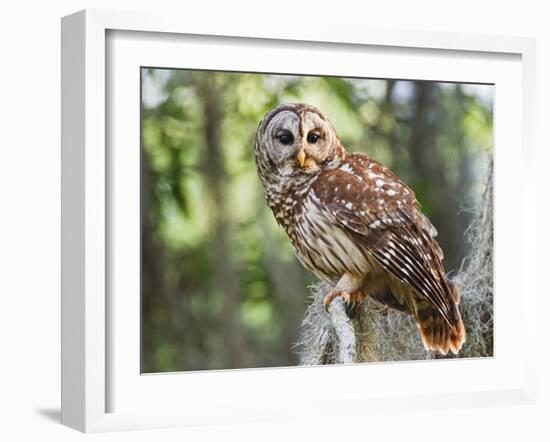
(88, 320)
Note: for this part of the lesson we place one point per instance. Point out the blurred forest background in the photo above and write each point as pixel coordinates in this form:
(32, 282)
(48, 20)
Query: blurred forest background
(221, 287)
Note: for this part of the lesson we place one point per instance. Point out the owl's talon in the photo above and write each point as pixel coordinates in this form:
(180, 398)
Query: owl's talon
(346, 296)
(350, 309)
(329, 297)
(355, 304)
(352, 302)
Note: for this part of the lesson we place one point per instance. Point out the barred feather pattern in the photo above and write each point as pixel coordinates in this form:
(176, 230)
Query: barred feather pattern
(348, 215)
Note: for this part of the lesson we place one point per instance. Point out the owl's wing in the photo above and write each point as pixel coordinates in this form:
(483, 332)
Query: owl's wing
(383, 214)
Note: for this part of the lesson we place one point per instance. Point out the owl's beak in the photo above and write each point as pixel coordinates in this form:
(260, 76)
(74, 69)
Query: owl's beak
(301, 157)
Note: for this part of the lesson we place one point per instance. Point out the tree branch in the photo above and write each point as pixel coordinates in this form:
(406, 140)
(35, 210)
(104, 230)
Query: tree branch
(344, 331)
(327, 337)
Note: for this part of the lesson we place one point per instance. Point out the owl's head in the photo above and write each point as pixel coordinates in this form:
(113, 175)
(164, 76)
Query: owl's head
(296, 139)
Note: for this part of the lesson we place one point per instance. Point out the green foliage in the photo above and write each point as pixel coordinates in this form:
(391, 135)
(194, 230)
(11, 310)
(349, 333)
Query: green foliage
(220, 285)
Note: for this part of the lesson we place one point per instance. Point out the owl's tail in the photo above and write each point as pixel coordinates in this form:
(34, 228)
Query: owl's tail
(436, 332)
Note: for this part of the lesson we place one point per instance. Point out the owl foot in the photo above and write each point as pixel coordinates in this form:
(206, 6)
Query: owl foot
(352, 301)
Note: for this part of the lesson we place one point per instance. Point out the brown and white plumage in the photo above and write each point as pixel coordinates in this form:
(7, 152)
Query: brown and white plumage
(354, 223)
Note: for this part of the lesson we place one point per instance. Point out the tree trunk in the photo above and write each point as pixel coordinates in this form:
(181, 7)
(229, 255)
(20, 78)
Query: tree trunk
(224, 279)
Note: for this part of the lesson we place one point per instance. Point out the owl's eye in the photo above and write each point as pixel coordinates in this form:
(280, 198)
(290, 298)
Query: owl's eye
(313, 137)
(286, 138)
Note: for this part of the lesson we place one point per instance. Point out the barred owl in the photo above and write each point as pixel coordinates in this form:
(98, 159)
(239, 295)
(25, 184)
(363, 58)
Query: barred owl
(355, 224)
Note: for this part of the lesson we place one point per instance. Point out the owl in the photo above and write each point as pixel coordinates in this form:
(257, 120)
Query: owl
(355, 224)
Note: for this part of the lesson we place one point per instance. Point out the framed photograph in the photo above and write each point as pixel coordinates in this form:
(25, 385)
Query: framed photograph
(251, 215)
